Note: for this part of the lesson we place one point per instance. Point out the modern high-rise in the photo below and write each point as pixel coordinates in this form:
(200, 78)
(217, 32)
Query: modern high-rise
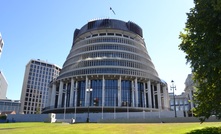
(3, 86)
(38, 75)
(108, 68)
(1, 44)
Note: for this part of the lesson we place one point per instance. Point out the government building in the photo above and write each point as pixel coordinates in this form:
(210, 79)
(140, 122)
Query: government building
(108, 69)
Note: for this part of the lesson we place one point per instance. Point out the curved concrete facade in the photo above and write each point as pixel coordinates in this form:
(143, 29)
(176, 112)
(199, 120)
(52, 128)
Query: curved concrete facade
(108, 68)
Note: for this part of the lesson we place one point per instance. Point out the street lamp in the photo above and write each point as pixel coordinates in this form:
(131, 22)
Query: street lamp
(172, 88)
(89, 102)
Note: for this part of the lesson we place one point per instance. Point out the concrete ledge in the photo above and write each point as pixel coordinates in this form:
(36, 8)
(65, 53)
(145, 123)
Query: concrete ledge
(71, 121)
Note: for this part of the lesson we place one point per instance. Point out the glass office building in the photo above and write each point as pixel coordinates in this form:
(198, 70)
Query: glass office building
(108, 67)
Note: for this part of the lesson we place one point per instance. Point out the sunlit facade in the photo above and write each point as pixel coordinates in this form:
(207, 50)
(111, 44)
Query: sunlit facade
(108, 68)
(38, 75)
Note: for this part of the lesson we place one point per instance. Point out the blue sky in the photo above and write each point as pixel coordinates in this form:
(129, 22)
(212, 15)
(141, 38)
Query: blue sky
(43, 29)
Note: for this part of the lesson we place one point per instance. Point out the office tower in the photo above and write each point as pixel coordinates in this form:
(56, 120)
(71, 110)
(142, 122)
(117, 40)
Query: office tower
(37, 76)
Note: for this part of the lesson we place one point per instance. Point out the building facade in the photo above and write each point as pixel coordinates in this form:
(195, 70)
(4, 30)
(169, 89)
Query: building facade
(38, 75)
(189, 92)
(181, 102)
(108, 68)
(3, 86)
(7, 105)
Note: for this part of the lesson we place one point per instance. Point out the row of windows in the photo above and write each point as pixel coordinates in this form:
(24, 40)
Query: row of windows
(103, 47)
(109, 54)
(128, 72)
(111, 93)
(39, 82)
(178, 101)
(9, 108)
(9, 104)
(39, 75)
(181, 108)
(42, 66)
(110, 39)
(110, 62)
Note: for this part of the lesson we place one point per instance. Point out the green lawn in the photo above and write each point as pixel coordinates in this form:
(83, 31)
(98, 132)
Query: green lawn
(108, 128)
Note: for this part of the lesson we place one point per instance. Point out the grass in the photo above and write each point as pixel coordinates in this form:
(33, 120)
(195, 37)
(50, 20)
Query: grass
(110, 128)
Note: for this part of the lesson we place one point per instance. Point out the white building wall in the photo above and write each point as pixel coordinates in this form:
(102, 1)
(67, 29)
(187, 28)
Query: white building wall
(3, 86)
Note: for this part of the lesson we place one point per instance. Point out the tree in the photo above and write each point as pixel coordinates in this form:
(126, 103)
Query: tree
(201, 41)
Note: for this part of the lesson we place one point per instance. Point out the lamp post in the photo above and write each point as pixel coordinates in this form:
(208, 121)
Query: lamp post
(172, 88)
(89, 102)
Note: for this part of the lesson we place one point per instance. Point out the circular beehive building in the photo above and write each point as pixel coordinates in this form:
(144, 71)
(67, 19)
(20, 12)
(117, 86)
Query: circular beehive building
(108, 68)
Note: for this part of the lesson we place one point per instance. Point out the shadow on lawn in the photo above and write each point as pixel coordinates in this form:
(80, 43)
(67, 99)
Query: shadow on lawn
(207, 130)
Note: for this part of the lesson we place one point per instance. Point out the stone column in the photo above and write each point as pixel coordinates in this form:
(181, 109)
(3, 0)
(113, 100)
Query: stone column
(159, 96)
(72, 93)
(53, 95)
(119, 91)
(60, 93)
(149, 95)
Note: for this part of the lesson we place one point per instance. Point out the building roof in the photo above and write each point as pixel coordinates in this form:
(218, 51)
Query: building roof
(109, 23)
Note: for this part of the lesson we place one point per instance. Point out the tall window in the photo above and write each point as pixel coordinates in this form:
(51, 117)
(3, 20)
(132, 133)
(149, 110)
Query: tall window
(111, 92)
(126, 93)
(81, 93)
(96, 95)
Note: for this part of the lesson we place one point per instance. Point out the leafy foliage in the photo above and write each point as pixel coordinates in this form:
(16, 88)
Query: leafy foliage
(207, 130)
(201, 41)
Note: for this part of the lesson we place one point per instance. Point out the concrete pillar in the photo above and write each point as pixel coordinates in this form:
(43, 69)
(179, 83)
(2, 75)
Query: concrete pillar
(72, 93)
(144, 95)
(149, 95)
(103, 91)
(165, 97)
(154, 103)
(86, 94)
(65, 94)
(119, 91)
(133, 102)
(159, 96)
(53, 94)
(60, 93)
(75, 93)
(136, 92)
